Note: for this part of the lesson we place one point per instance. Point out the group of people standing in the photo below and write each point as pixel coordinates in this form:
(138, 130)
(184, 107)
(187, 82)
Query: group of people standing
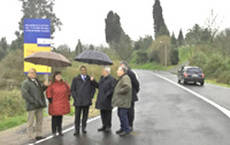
(121, 93)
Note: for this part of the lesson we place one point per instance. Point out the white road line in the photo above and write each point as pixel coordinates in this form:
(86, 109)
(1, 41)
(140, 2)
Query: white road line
(68, 129)
(222, 109)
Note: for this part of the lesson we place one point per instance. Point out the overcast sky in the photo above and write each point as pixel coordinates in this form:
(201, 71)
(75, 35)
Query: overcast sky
(84, 19)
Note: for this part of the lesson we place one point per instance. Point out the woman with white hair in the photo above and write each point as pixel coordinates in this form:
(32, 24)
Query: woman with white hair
(105, 87)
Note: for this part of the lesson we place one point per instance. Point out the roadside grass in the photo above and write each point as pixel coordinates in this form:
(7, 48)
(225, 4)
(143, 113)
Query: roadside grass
(214, 82)
(11, 122)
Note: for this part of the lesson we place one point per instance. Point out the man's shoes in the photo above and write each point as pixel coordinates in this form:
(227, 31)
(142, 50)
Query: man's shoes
(76, 133)
(39, 137)
(60, 134)
(84, 131)
(124, 133)
(119, 131)
(107, 129)
(101, 129)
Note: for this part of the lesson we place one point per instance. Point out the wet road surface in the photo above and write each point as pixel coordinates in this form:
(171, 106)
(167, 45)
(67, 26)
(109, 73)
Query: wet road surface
(165, 115)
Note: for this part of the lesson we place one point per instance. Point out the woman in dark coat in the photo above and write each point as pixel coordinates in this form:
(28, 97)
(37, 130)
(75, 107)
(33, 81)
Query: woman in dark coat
(58, 94)
(104, 98)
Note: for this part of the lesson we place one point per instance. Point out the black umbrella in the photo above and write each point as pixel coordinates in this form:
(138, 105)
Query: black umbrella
(94, 57)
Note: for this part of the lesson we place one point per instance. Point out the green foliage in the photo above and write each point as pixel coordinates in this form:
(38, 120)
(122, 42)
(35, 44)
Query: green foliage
(113, 29)
(79, 48)
(180, 38)
(199, 59)
(160, 50)
(173, 41)
(12, 122)
(143, 43)
(18, 42)
(160, 27)
(11, 104)
(64, 49)
(40, 9)
(116, 37)
(185, 53)
(198, 35)
(11, 72)
(123, 48)
(174, 56)
(222, 42)
(3, 48)
(142, 57)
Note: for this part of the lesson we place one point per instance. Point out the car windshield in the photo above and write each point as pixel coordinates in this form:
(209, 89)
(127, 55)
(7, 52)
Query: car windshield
(193, 70)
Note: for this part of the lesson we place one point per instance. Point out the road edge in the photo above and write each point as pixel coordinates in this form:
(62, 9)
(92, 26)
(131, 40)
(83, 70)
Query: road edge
(220, 108)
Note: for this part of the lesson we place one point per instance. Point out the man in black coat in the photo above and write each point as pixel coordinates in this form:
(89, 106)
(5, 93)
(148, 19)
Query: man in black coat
(105, 87)
(135, 90)
(82, 91)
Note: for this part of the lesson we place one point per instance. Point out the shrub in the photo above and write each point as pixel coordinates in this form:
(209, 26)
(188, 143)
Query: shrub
(11, 104)
(142, 57)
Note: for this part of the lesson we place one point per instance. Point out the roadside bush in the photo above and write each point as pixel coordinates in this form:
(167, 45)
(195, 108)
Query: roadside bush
(174, 56)
(142, 57)
(11, 104)
(213, 66)
(223, 77)
(11, 70)
(199, 59)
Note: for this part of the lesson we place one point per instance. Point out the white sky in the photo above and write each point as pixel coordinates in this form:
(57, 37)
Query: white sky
(84, 19)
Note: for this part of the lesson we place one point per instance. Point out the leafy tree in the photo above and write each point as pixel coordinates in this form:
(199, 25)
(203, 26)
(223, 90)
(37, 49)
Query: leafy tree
(160, 50)
(198, 35)
(123, 48)
(113, 30)
(173, 41)
(116, 37)
(174, 56)
(142, 57)
(222, 41)
(40, 9)
(3, 48)
(79, 47)
(160, 27)
(64, 49)
(91, 47)
(36, 9)
(143, 43)
(180, 38)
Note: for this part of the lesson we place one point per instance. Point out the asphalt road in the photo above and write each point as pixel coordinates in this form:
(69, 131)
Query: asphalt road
(165, 115)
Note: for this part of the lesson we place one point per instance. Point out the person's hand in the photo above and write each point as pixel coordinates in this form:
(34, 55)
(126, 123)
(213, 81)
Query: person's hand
(46, 83)
(92, 78)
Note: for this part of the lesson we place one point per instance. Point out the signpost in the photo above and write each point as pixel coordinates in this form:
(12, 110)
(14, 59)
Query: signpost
(36, 39)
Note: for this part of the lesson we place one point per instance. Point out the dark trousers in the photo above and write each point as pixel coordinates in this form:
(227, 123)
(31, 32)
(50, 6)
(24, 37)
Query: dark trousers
(123, 116)
(56, 124)
(106, 116)
(131, 114)
(78, 112)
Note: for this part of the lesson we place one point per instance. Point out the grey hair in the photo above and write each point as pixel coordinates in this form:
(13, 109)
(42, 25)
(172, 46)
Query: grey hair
(107, 69)
(123, 68)
(125, 63)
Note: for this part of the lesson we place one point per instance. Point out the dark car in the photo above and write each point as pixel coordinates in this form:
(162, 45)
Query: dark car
(191, 74)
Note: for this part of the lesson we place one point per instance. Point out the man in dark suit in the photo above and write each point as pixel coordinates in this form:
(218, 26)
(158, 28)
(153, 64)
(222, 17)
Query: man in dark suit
(135, 90)
(82, 91)
(105, 91)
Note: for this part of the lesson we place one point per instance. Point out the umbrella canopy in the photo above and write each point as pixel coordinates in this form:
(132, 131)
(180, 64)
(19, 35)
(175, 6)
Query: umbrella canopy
(94, 57)
(48, 58)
